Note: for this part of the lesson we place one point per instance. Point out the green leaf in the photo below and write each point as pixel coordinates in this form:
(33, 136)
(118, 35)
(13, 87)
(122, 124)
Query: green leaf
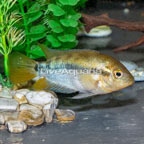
(69, 22)
(76, 16)
(37, 29)
(36, 52)
(34, 17)
(57, 11)
(67, 38)
(24, 1)
(81, 3)
(72, 30)
(69, 2)
(55, 26)
(54, 42)
(69, 45)
(37, 37)
(35, 8)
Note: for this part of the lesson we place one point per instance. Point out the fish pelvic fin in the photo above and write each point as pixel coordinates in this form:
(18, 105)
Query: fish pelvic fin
(41, 84)
(21, 68)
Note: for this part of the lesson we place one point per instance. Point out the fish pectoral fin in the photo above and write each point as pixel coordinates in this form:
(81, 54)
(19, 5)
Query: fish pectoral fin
(41, 84)
(83, 95)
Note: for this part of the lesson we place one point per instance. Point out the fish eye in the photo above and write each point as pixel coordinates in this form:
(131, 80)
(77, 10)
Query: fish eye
(118, 73)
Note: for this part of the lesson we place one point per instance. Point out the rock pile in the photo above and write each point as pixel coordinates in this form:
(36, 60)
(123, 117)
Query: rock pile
(21, 108)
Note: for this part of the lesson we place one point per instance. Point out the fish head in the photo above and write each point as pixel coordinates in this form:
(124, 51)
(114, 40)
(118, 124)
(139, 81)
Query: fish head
(118, 78)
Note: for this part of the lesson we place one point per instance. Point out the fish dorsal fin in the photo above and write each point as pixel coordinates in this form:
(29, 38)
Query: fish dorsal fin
(49, 53)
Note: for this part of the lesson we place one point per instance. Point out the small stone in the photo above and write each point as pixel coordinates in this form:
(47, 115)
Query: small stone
(65, 115)
(31, 116)
(39, 97)
(0, 88)
(5, 92)
(8, 104)
(2, 127)
(20, 98)
(30, 107)
(49, 111)
(23, 91)
(16, 126)
(126, 11)
(5, 116)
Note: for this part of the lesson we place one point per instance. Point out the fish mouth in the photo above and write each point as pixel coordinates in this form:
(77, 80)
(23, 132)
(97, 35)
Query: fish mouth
(128, 84)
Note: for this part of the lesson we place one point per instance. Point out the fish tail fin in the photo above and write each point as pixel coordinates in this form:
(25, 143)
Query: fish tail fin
(21, 68)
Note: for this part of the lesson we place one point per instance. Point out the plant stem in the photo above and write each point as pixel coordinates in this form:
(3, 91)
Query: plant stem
(6, 65)
(5, 48)
(25, 24)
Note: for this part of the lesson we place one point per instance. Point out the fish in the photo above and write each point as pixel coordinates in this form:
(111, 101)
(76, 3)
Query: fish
(87, 72)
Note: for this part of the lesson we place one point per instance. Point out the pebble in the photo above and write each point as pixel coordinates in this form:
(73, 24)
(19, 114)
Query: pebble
(5, 92)
(1, 88)
(5, 116)
(126, 11)
(49, 111)
(19, 96)
(8, 104)
(2, 127)
(31, 117)
(29, 107)
(65, 115)
(16, 126)
(39, 97)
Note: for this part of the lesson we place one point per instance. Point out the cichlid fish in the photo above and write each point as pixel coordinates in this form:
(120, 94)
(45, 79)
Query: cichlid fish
(85, 71)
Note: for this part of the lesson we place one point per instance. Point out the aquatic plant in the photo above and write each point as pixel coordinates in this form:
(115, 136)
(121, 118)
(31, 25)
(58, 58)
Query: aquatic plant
(51, 22)
(62, 20)
(10, 36)
(25, 23)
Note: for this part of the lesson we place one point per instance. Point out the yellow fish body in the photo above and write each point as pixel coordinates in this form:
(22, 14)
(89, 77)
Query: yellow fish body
(85, 71)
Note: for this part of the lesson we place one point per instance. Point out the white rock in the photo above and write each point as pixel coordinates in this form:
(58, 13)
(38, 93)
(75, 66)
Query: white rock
(20, 97)
(65, 115)
(2, 119)
(5, 92)
(0, 87)
(49, 110)
(22, 91)
(35, 111)
(31, 115)
(16, 126)
(8, 104)
(39, 97)
(5, 116)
